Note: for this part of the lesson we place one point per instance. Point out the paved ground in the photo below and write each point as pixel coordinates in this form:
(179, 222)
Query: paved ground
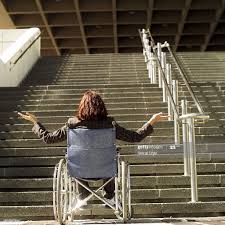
(169, 221)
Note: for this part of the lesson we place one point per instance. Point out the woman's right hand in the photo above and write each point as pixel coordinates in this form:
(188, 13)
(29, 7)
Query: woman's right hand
(28, 116)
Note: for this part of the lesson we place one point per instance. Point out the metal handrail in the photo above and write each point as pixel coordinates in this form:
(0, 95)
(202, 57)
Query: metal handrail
(182, 73)
(164, 77)
(190, 90)
(187, 119)
(184, 77)
(165, 83)
(194, 115)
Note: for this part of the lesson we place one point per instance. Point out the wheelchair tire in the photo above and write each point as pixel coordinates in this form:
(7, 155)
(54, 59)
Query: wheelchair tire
(54, 192)
(72, 197)
(61, 192)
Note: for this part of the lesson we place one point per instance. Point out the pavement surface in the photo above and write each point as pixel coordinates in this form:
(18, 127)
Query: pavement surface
(160, 221)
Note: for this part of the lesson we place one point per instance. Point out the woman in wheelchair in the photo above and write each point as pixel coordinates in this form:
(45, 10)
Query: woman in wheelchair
(92, 114)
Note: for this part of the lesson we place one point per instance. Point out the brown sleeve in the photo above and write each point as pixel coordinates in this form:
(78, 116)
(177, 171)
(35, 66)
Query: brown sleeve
(124, 134)
(50, 137)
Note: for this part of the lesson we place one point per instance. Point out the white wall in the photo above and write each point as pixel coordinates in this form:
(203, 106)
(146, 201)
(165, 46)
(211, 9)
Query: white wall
(19, 54)
(8, 37)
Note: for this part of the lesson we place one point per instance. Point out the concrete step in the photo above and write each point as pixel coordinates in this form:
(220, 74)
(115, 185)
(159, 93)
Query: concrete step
(27, 134)
(150, 182)
(202, 168)
(100, 82)
(77, 75)
(205, 99)
(26, 184)
(55, 103)
(81, 88)
(128, 149)
(37, 142)
(30, 89)
(126, 120)
(68, 111)
(139, 158)
(58, 96)
(146, 169)
(37, 212)
(158, 185)
(62, 110)
(146, 195)
(154, 139)
(136, 181)
(176, 181)
(176, 194)
(68, 105)
(28, 197)
(139, 210)
(178, 209)
(63, 119)
(24, 126)
(78, 90)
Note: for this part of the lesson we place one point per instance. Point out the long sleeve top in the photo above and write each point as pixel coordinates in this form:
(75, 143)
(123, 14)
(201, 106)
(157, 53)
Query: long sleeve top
(73, 123)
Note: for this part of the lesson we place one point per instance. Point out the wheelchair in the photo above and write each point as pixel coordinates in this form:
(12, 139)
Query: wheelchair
(91, 156)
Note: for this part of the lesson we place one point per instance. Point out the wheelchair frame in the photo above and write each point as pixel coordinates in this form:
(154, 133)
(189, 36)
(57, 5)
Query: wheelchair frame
(65, 193)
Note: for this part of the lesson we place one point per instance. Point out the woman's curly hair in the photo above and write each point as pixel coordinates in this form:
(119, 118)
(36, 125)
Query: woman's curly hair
(91, 107)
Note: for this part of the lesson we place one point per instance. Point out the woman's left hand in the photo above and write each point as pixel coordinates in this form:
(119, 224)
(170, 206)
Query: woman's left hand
(158, 117)
(28, 116)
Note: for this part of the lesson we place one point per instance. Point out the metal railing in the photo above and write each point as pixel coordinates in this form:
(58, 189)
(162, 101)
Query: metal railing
(155, 57)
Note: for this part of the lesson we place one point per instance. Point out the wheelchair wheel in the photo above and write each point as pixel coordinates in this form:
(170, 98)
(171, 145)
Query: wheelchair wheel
(54, 192)
(60, 192)
(129, 194)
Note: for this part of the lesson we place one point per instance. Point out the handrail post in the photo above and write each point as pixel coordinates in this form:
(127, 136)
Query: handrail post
(154, 68)
(169, 81)
(149, 70)
(163, 63)
(185, 139)
(176, 121)
(159, 55)
(149, 65)
(191, 142)
(145, 56)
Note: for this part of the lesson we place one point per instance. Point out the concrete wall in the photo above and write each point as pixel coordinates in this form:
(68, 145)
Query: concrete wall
(8, 37)
(19, 53)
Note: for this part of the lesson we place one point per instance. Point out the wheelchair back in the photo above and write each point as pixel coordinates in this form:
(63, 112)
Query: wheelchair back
(91, 153)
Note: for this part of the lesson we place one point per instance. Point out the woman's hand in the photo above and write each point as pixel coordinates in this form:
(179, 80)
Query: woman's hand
(158, 117)
(28, 116)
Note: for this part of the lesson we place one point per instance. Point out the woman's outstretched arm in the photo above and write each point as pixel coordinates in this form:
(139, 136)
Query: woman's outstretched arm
(48, 137)
(124, 134)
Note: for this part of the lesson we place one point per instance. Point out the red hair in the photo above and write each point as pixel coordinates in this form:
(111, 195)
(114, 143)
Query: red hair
(91, 107)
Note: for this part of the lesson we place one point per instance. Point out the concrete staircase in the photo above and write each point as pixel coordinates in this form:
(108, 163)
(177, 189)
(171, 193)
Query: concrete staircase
(204, 66)
(206, 74)
(52, 92)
